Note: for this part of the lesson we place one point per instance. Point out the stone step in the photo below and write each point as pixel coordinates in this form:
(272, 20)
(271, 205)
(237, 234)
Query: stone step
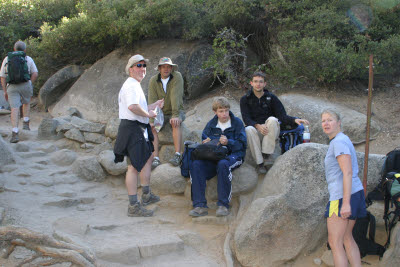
(124, 243)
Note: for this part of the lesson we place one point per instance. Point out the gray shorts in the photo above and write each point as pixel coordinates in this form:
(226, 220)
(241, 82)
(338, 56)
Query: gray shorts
(19, 94)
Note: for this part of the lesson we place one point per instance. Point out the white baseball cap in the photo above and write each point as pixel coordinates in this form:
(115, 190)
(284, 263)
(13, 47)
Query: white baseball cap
(134, 59)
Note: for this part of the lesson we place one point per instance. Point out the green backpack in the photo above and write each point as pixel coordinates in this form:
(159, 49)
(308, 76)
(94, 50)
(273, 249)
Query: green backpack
(392, 200)
(17, 68)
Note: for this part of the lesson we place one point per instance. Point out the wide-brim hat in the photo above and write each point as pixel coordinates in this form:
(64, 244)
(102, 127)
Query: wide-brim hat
(166, 61)
(134, 59)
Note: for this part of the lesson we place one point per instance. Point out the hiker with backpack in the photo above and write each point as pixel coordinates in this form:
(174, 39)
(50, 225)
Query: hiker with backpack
(346, 192)
(262, 111)
(18, 73)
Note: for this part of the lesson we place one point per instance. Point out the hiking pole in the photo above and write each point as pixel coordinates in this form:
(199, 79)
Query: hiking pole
(370, 82)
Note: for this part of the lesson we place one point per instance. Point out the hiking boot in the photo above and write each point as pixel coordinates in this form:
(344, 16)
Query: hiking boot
(137, 210)
(198, 211)
(222, 211)
(149, 198)
(176, 160)
(156, 162)
(25, 125)
(14, 138)
(261, 169)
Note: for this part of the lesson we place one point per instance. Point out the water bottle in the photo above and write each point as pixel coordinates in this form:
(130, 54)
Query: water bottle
(306, 134)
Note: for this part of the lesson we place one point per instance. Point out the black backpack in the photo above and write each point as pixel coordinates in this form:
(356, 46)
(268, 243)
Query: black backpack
(367, 245)
(391, 164)
(392, 201)
(17, 68)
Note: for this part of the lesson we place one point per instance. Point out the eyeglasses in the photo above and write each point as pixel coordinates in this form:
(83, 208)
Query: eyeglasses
(140, 65)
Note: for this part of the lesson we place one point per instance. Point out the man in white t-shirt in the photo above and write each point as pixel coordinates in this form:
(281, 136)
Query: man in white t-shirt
(20, 93)
(135, 138)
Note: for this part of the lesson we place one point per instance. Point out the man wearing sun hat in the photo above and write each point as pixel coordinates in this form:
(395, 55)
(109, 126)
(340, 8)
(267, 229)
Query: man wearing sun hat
(134, 139)
(168, 85)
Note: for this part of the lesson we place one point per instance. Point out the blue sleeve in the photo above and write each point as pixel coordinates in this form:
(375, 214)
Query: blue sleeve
(206, 132)
(240, 141)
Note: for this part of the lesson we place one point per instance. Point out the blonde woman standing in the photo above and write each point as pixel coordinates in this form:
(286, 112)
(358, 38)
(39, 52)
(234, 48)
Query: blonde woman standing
(346, 194)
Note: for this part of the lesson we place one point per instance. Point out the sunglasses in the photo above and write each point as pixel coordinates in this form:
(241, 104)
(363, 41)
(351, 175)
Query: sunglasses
(141, 65)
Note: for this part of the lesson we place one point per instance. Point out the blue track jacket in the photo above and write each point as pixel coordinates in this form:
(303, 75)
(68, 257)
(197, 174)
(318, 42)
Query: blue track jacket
(237, 141)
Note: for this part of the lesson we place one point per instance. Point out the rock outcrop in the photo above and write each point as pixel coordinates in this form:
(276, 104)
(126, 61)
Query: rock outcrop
(95, 93)
(310, 108)
(58, 84)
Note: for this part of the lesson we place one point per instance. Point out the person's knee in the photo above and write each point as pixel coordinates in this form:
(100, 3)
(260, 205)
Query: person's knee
(250, 130)
(131, 169)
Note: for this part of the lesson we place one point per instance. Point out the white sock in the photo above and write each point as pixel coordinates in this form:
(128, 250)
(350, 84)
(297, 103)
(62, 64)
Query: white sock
(178, 153)
(15, 130)
(26, 119)
(157, 158)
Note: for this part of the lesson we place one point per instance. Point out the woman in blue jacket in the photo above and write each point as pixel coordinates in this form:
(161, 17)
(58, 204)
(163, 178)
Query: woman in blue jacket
(229, 131)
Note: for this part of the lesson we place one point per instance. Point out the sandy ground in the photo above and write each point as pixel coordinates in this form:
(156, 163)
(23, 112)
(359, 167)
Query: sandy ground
(385, 110)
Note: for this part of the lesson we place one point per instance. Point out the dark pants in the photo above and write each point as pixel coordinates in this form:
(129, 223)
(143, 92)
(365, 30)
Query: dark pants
(203, 170)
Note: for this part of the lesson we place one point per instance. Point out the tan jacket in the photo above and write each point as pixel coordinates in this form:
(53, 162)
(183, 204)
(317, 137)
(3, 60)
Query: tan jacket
(173, 99)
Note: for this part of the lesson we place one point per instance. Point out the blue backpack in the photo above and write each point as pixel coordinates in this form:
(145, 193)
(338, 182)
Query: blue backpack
(187, 158)
(291, 138)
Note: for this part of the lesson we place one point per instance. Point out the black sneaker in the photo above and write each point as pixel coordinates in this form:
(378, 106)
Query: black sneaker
(198, 212)
(25, 125)
(14, 138)
(137, 210)
(149, 198)
(222, 211)
(156, 162)
(176, 160)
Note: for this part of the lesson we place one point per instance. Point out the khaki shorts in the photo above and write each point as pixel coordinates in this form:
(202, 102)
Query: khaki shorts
(19, 94)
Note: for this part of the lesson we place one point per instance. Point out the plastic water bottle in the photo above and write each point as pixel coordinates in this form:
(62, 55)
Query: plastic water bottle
(306, 134)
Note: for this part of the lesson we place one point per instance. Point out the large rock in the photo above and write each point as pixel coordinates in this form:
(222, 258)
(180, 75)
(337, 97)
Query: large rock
(391, 258)
(95, 93)
(112, 128)
(58, 84)
(6, 155)
(63, 157)
(88, 168)
(75, 135)
(87, 126)
(106, 159)
(310, 108)
(295, 187)
(167, 179)
(47, 129)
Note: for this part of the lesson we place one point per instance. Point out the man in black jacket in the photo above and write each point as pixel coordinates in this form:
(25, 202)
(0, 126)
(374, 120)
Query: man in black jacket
(262, 113)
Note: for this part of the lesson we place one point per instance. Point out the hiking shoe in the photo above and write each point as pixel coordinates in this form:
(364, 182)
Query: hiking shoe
(149, 198)
(137, 210)
(156, 162)
(176, 160)
(14, 138)
(261, 169)
(198, 211)
(268, 160)
(222, 211)
(25, 125)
